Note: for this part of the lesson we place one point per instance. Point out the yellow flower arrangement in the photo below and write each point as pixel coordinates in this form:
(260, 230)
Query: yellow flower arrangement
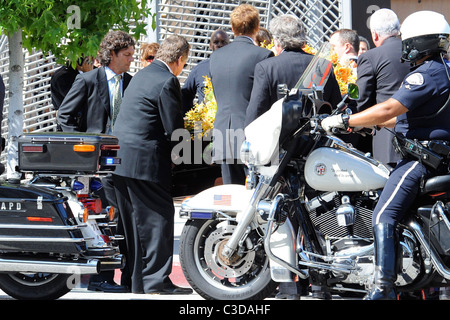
(200, 119)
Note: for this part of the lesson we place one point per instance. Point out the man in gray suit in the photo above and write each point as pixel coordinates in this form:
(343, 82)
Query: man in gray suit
(232, 70)
(380, 74)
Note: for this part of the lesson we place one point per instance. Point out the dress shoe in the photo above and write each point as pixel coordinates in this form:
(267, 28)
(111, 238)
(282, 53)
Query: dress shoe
(107, 287)
(172, 290)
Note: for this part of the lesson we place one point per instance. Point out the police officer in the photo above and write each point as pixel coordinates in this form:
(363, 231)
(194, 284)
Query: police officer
(422, 96)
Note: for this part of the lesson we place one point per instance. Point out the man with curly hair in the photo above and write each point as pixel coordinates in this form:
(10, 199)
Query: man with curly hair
(90, 106)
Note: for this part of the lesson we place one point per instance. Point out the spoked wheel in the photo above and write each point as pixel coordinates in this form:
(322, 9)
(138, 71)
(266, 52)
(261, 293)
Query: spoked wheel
(35, 286)
(240, 277)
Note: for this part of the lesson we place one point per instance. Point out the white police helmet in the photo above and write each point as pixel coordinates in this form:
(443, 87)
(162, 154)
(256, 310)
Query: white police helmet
(424, 33)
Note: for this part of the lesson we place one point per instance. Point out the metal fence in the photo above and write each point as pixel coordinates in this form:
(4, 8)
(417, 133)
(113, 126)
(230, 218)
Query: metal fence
(194, 19)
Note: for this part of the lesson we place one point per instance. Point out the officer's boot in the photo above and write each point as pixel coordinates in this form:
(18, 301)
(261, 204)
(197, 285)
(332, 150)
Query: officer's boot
(385, 263)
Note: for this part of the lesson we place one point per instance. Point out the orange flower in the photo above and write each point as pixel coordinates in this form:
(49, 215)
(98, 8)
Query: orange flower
(344, 74)
(308, 49)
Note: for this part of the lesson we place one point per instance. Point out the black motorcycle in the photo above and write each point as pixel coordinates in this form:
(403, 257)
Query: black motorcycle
(53, 229)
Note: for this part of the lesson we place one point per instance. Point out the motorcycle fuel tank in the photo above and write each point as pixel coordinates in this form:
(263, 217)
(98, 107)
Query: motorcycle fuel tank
(330, 169)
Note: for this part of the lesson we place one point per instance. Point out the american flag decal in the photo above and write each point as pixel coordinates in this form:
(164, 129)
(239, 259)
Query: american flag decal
(222, 200)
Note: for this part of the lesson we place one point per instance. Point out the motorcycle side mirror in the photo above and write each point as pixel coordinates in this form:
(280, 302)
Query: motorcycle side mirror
(353, 91)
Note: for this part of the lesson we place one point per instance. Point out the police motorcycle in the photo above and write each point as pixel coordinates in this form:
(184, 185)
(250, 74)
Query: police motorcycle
(306, 210)
(53, 229)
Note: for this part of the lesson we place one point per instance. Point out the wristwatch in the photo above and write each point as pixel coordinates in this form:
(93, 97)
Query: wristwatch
(345, 118)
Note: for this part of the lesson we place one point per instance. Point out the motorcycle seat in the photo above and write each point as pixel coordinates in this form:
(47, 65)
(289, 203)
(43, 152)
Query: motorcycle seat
(436, 184)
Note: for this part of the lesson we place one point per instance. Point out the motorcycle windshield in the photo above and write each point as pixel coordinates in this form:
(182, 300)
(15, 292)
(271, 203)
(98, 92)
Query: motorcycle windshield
(318, 70)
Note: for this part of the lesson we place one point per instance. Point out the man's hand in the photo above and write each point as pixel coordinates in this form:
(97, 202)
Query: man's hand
(337, 121)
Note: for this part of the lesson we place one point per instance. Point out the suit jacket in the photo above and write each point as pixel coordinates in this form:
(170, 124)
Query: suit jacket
(195, 85)
(86, 107)
(232, 68)
(285, 68)
(150, 112)
(60, 84)
(380, 74)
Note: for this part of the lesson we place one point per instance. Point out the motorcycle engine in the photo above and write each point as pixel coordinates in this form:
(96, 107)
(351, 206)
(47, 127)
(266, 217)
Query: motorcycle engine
(344, 223)
(341, 217)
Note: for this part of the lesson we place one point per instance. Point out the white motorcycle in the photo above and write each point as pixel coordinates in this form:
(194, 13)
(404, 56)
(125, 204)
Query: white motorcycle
(306, 211)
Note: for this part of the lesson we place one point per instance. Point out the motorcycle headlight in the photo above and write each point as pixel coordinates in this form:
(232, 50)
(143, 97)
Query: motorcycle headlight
(246, 153)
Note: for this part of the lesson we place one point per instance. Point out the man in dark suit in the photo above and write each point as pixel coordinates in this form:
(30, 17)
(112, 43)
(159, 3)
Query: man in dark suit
(64, 77)
(286, 68)
(194, 86)
(345, 43)
(232, 68)
(380, 74)
(88, 107)
(150, 113)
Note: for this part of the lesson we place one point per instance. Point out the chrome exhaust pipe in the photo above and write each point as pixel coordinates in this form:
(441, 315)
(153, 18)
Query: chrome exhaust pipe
(91, 266)
(118, 262)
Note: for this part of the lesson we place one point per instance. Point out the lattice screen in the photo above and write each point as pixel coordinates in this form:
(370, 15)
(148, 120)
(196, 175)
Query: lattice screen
(321, 17)
(195, 19)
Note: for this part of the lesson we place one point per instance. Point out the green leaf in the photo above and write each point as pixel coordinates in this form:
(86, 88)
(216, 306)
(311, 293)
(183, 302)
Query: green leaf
(45, 23)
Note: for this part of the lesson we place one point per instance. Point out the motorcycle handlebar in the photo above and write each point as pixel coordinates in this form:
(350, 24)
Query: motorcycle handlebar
(363, 131)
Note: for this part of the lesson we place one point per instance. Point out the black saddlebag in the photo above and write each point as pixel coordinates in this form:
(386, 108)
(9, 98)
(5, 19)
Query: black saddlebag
(37, 220)
(436, 220)
(79, 153)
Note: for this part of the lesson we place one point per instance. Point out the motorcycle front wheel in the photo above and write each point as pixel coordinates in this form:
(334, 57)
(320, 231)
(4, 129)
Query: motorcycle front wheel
(35, 286)
(244, 277)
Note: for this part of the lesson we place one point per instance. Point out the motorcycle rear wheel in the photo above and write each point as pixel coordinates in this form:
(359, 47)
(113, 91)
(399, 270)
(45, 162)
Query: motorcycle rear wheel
(245, 279)
(35, 286)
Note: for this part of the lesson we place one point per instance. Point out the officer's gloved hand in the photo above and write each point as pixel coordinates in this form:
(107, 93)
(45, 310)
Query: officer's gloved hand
(336, 121)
